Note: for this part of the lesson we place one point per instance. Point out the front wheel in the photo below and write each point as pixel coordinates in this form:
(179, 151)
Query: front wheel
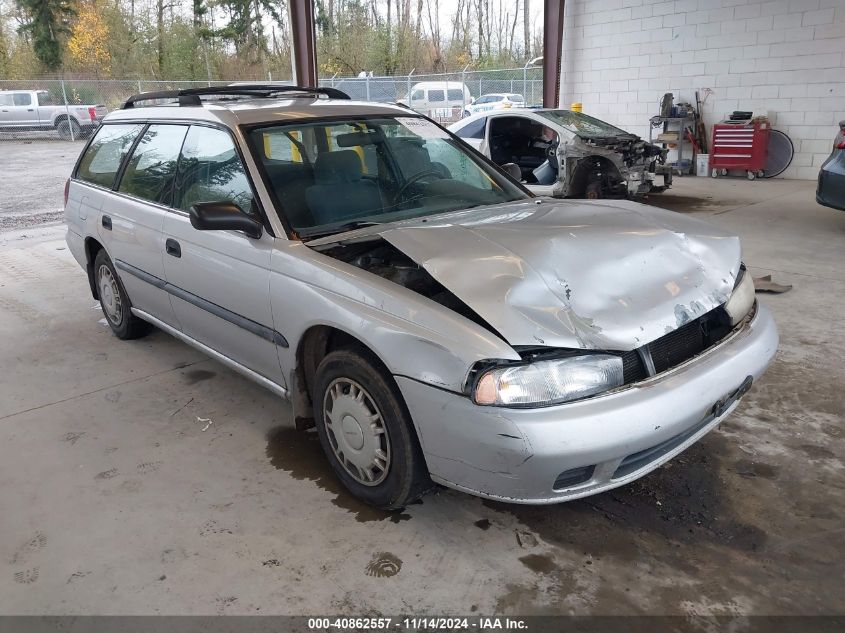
(366, 431)
(114, 301)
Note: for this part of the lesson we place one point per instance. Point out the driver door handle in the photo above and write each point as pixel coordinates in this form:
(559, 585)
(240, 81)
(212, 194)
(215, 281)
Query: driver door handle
(172, 247)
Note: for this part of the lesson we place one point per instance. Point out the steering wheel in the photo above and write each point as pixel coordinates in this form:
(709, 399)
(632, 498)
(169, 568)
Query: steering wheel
(416, 177)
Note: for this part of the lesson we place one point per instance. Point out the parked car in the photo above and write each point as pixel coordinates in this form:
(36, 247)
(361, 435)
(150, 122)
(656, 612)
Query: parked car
(494, 101)
(38, 110)
(831, 189)
(434, 320)
(438, 99)
(567, 154)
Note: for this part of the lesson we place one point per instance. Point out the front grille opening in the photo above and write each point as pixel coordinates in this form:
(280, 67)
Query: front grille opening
(677, 346)
(574, 476)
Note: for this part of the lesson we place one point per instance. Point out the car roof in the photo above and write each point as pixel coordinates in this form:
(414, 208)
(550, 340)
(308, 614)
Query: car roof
(439, 84)
(528, 113)
(249, 111)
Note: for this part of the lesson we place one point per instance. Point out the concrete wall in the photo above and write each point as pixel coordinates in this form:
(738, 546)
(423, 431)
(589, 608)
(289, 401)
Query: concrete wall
(786, 57)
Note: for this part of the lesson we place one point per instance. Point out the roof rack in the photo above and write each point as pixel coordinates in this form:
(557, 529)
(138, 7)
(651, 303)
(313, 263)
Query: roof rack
(191, 96)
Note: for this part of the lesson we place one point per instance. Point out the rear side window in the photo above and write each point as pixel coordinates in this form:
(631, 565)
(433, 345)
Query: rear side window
(101, 161)
(23, 99)
(210, 170)
(151, 169)
(473, 130)
(455, 94)
(435, 95)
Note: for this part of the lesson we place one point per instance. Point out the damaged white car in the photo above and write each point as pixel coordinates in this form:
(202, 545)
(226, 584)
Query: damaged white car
(567, 154)
(435, 321)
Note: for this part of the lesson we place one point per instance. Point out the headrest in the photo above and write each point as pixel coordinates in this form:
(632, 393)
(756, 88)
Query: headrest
(334, 167)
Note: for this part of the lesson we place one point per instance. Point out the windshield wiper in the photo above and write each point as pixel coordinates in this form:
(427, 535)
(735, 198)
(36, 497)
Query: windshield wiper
(339, 228)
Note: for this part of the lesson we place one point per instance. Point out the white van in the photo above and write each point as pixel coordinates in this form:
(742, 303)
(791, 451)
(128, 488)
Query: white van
(438, 99)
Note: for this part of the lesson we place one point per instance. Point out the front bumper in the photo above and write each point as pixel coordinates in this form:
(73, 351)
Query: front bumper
(524, 455)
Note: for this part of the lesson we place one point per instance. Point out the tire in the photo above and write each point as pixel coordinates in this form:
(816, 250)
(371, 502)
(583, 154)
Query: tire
(381, 462)
(64, 128)
(114, 302)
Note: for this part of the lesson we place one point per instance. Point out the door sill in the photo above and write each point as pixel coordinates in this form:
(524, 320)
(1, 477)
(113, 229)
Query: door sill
(222, 358)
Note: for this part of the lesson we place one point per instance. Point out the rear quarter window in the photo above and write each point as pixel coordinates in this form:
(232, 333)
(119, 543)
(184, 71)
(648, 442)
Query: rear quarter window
(102, 159)
(455, 94)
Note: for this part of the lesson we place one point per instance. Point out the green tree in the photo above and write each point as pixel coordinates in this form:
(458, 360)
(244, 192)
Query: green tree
(47, 21)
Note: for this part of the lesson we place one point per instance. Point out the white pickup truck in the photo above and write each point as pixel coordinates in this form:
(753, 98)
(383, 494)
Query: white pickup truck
(38, 110)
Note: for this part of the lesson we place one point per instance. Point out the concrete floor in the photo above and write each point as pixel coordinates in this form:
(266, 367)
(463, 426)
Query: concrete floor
(118, 497)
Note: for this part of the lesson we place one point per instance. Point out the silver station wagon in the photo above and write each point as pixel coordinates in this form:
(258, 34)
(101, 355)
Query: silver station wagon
(435, 321)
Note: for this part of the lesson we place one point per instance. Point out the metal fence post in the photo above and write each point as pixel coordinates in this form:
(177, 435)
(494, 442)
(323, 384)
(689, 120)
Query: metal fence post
(463, 89)
(139, 87)
(410, 101)
(67, 111)
(367, 80)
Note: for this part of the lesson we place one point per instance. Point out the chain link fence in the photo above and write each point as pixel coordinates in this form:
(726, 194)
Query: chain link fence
(70, 109)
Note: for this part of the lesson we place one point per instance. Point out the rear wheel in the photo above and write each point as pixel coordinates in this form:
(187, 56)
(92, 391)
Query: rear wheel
(69, 129)
(114, 301)
(366, 431)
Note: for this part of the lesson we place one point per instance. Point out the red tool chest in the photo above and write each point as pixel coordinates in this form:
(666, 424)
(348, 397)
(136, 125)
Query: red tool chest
(739, 146)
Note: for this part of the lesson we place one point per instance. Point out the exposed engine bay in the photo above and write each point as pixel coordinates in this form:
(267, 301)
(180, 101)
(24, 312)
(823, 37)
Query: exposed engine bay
(614, 167)
(379, 257)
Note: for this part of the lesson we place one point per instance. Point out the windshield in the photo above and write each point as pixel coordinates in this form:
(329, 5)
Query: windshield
(582, 124)
(329, 176)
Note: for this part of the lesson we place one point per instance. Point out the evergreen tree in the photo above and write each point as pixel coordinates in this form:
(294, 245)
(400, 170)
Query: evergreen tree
(47, 21)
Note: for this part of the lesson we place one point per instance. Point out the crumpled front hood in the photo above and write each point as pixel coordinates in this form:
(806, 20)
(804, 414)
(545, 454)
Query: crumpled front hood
(608, 275)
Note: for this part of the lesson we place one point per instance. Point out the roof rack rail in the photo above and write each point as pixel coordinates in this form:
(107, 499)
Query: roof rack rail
(191, 96)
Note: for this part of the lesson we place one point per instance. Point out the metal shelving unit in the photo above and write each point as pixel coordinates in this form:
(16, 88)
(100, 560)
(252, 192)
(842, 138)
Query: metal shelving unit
(682, 123)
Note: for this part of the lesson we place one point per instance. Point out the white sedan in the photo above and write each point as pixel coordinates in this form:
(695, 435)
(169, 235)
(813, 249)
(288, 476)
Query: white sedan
(494, 101)
(566, 154)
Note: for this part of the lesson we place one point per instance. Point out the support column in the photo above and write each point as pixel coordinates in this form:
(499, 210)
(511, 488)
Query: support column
(552, 51)
(304, 42)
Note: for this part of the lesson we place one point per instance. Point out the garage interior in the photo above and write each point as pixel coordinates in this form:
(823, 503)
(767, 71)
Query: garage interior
(142, 477)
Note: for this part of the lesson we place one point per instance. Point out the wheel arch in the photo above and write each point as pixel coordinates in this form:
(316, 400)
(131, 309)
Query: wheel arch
(92, 247)
(314, 345)
(63, 116)
(580, 175)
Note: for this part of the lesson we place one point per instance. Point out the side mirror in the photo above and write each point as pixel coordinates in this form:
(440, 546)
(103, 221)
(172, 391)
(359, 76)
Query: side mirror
(513, 170)
(224, 216)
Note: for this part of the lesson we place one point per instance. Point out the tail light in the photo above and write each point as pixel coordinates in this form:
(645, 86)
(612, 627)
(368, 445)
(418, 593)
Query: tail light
(67, 189)
(92, 112)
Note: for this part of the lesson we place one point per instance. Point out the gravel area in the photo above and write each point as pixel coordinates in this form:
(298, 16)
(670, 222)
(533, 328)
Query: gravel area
(33, 187)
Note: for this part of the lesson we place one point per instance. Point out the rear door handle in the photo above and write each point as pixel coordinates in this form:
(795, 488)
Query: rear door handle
(106, 221)
(172, 247)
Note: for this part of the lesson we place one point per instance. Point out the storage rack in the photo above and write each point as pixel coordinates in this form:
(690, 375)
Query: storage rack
(682, 123)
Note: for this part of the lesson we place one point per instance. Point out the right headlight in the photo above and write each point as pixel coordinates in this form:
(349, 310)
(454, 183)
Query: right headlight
(548, 382)
(742, 299)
